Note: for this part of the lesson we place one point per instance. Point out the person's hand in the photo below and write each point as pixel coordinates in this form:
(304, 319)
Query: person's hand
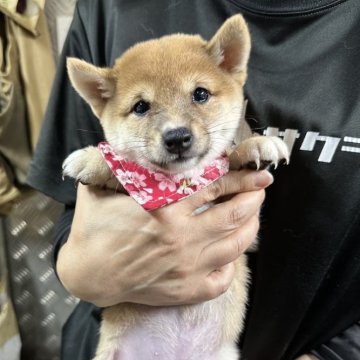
(117, 252)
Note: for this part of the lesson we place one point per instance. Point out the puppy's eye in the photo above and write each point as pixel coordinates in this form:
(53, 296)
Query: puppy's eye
(200, 95)
(141, 107)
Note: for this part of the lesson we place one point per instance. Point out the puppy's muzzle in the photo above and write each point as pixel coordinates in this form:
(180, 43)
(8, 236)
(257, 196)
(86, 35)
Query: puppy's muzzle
(177, 141)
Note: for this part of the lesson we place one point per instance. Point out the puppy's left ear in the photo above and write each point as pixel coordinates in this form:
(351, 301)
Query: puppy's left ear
(230, 47)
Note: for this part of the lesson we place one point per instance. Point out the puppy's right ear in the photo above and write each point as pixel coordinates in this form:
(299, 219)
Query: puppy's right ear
(95, 85)
(230, 47)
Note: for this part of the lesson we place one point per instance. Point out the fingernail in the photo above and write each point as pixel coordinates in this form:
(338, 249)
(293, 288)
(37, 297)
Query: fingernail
(263, 179)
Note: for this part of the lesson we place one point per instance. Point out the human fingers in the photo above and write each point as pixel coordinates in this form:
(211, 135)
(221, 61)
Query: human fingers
(214, 284)
(221, 271)
(227, 216)
(232, 183)
(192, 290)
(224, 251)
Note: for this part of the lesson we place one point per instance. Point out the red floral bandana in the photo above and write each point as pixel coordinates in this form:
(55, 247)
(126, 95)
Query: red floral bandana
(153, 190)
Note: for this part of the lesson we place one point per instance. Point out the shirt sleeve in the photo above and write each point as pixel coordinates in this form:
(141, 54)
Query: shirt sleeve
(345, 346)
(69, 123)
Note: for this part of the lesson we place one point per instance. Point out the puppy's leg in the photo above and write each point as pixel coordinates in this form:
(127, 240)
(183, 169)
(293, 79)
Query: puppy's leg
(89, 167)
(259, 152)
(111, 355)
(116, 321)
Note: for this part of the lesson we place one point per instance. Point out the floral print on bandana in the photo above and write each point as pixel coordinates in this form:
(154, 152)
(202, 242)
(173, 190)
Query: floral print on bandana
(154, 189)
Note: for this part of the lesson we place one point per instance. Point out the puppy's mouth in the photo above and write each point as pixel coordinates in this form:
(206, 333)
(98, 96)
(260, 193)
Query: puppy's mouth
(179, 162)
(181, 159)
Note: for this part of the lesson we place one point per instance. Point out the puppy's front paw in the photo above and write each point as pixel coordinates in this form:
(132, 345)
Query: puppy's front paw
(260, 152)
(87, 166)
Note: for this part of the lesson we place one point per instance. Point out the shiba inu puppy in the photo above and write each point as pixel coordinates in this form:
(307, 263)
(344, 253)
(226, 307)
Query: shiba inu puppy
(173, 105)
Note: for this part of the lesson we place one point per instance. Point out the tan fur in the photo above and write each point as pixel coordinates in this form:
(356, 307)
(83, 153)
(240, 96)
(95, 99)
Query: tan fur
(164, 73)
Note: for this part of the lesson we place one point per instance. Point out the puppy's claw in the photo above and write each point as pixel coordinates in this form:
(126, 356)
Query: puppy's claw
(284, 161)
(252, 165)
(265, 164)
(261, 152)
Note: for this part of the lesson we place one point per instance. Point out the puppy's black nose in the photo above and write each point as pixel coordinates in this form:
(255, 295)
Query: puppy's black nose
(177, 140)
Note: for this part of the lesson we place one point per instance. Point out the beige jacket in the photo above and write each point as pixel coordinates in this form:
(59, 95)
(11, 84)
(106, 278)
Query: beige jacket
(26, 72)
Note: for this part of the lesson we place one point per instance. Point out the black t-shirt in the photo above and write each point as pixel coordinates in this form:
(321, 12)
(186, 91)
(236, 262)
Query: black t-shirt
(304, 86)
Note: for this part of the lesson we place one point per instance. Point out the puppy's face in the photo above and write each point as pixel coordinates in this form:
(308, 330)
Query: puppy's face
(174, 103)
